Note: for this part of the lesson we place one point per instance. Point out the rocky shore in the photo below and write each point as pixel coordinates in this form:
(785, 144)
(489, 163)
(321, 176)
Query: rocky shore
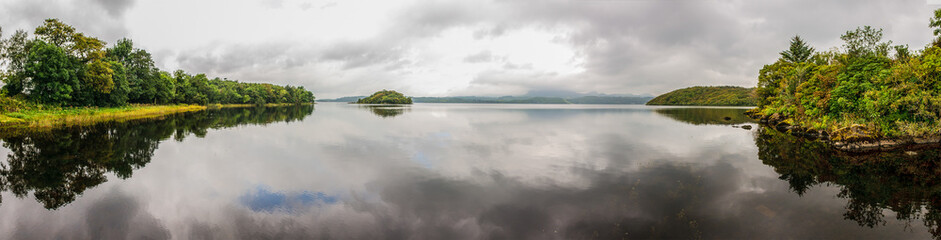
(856, 138)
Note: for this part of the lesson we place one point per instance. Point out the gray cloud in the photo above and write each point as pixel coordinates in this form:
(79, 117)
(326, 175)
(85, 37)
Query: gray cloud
(639, 47)
(483, 56)
(115, 216)
(366, 53)
(99, 18)
(115, 8)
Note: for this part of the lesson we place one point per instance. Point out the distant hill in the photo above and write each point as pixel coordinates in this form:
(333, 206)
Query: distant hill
(535, 100)
(518, 100)
(342, 99)
(708, 96)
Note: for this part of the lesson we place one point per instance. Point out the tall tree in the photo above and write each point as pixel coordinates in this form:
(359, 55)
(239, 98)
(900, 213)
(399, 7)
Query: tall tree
(798, 52)
(52, 73)
(56, 33)
(15, 53)
(865, 42)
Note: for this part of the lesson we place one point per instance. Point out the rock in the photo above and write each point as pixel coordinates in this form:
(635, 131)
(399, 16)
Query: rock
(727, 118)
(911, 153)
(746, 127)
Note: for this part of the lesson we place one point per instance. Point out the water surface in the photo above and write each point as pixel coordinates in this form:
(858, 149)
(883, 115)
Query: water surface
(456, 171)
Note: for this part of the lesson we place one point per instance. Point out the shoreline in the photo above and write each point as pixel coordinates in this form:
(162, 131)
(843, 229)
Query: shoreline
(862, 141)
(84, 116)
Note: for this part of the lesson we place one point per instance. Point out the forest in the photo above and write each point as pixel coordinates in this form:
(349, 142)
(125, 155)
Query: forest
(707, 96)
(59, 66)
(868, 89)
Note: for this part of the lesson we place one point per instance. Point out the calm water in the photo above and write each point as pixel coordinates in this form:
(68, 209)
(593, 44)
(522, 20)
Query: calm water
(453, 171)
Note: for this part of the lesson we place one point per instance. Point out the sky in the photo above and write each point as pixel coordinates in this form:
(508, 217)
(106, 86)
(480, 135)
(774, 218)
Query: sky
(480, 48)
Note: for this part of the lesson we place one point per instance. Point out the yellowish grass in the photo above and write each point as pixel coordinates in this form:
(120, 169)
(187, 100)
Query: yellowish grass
(87, 116)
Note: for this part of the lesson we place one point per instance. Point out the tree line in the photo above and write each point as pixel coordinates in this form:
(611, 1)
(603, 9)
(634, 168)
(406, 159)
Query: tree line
(63, 67)
(867, 89)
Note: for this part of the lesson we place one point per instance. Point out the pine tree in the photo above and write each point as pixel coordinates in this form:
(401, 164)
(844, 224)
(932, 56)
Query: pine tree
(799, 51)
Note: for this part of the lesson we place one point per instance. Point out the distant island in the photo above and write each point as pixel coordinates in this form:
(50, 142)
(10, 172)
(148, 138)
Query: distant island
(708, 96)
(386, 97)
(868, 95)
(518, 99)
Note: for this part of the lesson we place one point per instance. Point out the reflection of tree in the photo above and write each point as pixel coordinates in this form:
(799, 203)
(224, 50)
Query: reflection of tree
(907, 184)
(387, 110)
(58, 165)
(699, 116)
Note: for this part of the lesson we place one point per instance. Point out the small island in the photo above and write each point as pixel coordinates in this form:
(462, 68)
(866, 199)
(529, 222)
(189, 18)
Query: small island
(868, 95)
(707, 96)
(385, 97)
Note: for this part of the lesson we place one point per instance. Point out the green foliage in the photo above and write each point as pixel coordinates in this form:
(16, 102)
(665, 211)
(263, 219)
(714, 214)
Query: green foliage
(865, 42)
(707, 96)
(857, 90)
(10, 104)
(386, 97)
(52, 74)
(14, 54)
(63, 67)
(799, 51)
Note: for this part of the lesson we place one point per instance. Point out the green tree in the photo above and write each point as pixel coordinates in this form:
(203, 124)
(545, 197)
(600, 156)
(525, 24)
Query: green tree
(935, 23)
(119, 93)
(55, 32)
(98, 76)
(142, 76)
(51, 71)
(865, 42)
(14, 55)
(798, 52)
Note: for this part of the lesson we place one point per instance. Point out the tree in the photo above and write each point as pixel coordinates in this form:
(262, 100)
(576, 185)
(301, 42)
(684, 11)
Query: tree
(52, 73)
(98, 76)
(119, 94)
(865, 42)
(15, 52)
(56, 33)
(61, 66)
(798, 52)
(902, 53)
(935, 22)
(142, 75)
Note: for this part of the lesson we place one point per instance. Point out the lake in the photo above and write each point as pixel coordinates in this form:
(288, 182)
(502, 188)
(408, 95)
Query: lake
(457, 171)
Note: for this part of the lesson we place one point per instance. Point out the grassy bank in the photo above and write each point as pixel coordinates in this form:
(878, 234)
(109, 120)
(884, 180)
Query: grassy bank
(38, 116)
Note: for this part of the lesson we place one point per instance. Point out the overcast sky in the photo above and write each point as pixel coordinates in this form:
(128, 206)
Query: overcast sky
(493, 48)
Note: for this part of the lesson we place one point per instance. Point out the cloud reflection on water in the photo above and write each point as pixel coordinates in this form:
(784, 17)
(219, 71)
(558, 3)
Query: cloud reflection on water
(506, 171)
